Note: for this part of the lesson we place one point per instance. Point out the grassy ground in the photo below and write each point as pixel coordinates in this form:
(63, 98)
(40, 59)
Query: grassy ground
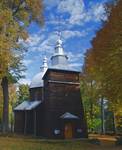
(19, 143)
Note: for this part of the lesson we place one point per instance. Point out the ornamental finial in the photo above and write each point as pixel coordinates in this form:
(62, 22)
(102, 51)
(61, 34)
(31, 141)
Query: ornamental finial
(44, 65)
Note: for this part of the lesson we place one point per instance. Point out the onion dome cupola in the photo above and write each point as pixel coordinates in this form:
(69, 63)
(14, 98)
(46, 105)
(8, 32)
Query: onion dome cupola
(59, 58)
(37, 80)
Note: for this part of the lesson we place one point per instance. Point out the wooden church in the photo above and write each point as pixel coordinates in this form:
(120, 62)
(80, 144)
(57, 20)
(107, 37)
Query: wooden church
(55, 107)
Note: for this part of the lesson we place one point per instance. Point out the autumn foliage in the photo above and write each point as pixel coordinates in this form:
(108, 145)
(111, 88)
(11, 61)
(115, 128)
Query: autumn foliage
(15, 16)
(103, 67)
(103, 61)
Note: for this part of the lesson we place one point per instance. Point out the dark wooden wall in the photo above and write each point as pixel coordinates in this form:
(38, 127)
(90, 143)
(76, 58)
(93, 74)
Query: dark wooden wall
(61, 94)
(19, 121)
(36, 93)
(60, 98)
(61, 75)
(30, 122)
(40, 120)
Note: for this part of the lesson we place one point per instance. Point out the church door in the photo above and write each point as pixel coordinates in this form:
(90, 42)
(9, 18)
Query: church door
(68, 131)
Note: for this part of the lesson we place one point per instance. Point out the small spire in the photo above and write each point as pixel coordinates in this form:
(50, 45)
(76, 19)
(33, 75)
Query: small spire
(59, 41)
(44, 65)
(59, 58)
(59, 47)
(59, 34)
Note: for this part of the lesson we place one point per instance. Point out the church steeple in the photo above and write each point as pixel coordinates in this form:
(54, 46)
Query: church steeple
(37, 81)
(59, 57)
(58, 47)
(44, 65)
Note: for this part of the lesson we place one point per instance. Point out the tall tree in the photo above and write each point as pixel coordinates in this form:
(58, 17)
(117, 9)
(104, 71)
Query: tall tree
(103, 60)
(15, 16)
(91, 93)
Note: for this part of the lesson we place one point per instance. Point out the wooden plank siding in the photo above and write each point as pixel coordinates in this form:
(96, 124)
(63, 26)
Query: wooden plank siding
(60, 94)
(63, 76)
(61, 97)
(19, 122)
(36, 93)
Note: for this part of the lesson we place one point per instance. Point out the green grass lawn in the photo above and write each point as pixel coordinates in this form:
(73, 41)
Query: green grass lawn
(19, 143)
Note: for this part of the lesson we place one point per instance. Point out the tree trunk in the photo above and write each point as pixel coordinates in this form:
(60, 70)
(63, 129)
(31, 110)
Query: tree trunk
(114, 124)
(91, 113)
(102, 117)
(5, 121)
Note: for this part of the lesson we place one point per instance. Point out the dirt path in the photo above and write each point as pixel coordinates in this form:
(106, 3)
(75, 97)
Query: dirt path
(105, 140)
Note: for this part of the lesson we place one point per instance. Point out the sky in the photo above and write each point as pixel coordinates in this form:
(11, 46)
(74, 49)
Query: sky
(78, 21)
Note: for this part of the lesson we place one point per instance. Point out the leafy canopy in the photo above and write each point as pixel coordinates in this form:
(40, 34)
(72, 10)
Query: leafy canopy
(15, 16)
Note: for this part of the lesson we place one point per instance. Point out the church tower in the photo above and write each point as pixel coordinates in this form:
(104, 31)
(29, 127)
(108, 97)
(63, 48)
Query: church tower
(59, 59)
(64, 114)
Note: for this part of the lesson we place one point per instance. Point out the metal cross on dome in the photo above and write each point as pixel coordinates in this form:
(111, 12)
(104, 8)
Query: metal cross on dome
(59, 27)
(59, 34)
